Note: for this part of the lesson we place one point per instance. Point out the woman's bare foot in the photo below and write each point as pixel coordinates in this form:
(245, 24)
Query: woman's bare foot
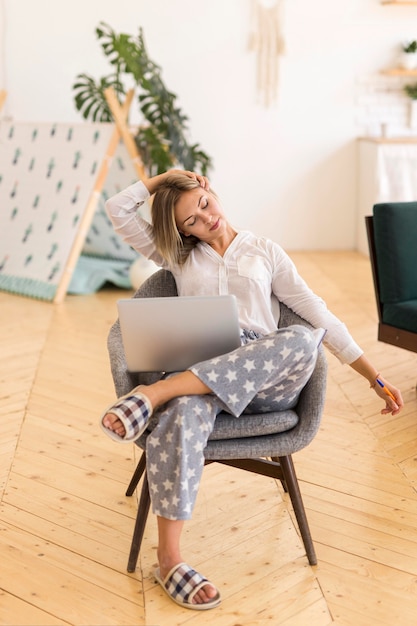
(128, 417)
(203, 596)
(169, 555)
(112, 422)
(183, 383)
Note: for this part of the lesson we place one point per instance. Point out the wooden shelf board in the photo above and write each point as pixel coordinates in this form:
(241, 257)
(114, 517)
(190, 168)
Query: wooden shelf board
(399, 71)
(390, 140)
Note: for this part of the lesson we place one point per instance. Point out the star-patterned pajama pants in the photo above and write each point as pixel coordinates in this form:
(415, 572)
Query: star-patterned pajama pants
(264, 375)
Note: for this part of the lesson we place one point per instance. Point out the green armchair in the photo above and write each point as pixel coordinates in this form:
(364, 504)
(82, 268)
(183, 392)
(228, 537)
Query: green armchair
(392, 238)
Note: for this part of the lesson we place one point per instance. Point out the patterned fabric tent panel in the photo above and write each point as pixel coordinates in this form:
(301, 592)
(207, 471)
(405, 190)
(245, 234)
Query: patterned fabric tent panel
(48, 174)
(101, 239)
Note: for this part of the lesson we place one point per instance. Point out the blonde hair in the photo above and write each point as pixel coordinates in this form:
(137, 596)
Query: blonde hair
(170, 243)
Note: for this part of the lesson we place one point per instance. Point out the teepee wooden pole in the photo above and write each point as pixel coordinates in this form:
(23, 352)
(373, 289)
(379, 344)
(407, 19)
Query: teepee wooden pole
(120, 120)
(88, 215)
(3, 96)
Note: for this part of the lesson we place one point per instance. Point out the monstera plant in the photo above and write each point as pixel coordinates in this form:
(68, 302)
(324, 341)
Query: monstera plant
(162, 138)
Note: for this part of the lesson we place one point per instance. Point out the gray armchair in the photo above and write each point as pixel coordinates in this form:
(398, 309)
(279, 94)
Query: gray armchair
(260, 443)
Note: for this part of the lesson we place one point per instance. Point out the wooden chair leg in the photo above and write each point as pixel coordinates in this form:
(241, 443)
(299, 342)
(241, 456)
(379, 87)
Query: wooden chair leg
(141, 517)
(137, 475)
(275, 459)
(291, 481)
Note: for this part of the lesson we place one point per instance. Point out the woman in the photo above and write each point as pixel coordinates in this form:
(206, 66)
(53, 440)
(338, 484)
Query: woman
(191, 236)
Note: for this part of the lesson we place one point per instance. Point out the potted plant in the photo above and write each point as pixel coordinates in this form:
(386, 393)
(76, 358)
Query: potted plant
(408, 57)
(411, 91)
(162, 138)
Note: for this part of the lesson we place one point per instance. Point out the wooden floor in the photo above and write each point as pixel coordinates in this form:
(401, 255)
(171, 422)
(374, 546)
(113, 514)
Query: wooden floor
(65, 524)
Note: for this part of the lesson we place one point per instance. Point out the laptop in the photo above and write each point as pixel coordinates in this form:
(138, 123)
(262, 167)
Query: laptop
(172, 333)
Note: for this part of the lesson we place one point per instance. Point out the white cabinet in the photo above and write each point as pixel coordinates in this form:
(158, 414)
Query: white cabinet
(387, 172)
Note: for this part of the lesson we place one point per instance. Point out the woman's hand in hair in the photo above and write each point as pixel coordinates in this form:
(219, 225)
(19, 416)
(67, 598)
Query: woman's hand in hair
(153, 183)
(202, 180)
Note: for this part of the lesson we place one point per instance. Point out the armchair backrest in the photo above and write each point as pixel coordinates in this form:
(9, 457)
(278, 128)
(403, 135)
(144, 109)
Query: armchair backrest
(159, 285)
(393, 257)
(395, 237)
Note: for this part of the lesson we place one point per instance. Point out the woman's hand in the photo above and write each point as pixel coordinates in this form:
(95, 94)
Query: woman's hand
(153, 183)
(392, 396)
(202, 180)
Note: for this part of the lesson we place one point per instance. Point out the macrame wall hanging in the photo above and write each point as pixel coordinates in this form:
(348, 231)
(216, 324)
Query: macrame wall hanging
(267, 41)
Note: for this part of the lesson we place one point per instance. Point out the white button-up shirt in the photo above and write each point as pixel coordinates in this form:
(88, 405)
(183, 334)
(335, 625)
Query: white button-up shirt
(255, 269)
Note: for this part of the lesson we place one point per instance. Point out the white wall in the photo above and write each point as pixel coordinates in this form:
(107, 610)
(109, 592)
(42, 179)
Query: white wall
(288, 172)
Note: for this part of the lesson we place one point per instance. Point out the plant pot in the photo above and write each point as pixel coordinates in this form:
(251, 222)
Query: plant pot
(412, 119)
(408, 60)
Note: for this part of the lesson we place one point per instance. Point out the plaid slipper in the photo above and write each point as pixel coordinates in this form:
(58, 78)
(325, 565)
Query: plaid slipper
(133, 410)
(182, 583)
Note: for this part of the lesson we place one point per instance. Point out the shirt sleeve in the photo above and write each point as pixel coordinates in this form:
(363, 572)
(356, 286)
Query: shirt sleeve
(122, 210)
(292, 290)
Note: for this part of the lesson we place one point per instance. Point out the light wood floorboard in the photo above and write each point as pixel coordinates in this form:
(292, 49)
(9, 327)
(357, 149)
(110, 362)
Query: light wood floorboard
(65, 523)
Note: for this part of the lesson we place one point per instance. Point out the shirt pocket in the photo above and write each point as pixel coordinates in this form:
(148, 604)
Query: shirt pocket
(251, 266)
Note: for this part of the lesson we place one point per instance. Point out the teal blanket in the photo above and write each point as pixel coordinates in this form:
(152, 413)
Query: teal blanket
(92, 273)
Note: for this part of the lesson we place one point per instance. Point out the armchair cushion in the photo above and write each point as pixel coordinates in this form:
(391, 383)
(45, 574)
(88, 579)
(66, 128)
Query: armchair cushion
(247, 425)
(401, 315)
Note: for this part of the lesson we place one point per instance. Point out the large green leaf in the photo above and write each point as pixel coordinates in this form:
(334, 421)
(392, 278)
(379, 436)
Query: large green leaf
(162, 141)
(89, 97)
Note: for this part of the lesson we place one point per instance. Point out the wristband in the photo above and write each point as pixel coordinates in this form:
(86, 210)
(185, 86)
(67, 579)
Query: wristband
(372, 386)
